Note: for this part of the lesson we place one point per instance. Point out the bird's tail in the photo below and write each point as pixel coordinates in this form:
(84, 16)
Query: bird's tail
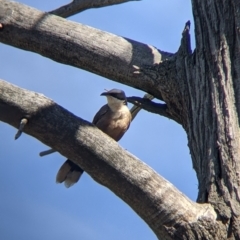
(69, 173)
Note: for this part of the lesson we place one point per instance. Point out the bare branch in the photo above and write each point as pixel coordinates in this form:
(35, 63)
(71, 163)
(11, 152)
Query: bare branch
(150, 106)
(157, 201)
(77, 6)
(82, 46)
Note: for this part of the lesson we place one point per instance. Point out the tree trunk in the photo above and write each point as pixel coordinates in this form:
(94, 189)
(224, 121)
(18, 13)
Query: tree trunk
(213, 109)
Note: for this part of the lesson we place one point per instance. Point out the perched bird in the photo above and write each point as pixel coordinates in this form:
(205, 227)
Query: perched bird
(114, 119)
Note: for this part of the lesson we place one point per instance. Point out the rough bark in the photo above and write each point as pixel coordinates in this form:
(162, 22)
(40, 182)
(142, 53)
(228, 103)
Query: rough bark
(212, 82)
(201, 92)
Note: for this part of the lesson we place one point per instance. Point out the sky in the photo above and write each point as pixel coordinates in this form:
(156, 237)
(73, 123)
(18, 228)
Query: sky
(32, 205)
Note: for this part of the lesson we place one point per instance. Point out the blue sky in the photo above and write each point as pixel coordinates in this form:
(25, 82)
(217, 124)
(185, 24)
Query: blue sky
(32, 205)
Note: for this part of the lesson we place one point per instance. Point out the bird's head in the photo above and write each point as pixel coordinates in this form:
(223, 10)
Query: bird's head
(116, 98)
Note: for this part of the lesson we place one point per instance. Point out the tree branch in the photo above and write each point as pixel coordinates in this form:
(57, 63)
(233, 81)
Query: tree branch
(157, 201)
(150, 106)
(77, 6)
(84, 47)
(136, 109)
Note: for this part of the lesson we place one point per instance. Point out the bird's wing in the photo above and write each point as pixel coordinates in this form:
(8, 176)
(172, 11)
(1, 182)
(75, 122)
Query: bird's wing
(102, 111)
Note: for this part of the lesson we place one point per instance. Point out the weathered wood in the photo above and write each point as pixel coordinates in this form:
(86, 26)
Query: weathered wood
(212, 76)
(79, 45)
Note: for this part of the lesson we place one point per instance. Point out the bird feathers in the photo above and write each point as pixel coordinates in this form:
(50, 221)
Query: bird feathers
(113, 119)
(69, 173)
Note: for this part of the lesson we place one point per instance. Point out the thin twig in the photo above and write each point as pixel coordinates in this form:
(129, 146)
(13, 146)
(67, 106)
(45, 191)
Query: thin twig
(23, 123)
(44, 153)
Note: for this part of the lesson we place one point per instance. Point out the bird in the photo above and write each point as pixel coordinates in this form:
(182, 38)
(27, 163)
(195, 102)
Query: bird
(113, 119)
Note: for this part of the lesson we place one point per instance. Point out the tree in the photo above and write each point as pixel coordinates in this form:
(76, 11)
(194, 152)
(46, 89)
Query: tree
(200, 92)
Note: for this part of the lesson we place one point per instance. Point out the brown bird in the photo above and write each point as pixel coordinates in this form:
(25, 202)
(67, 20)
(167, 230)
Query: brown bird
(114, 119)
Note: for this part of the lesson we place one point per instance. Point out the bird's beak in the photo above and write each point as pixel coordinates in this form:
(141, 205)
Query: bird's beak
(104, 94)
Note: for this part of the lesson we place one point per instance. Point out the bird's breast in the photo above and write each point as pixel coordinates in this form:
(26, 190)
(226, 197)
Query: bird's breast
(116, 123)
